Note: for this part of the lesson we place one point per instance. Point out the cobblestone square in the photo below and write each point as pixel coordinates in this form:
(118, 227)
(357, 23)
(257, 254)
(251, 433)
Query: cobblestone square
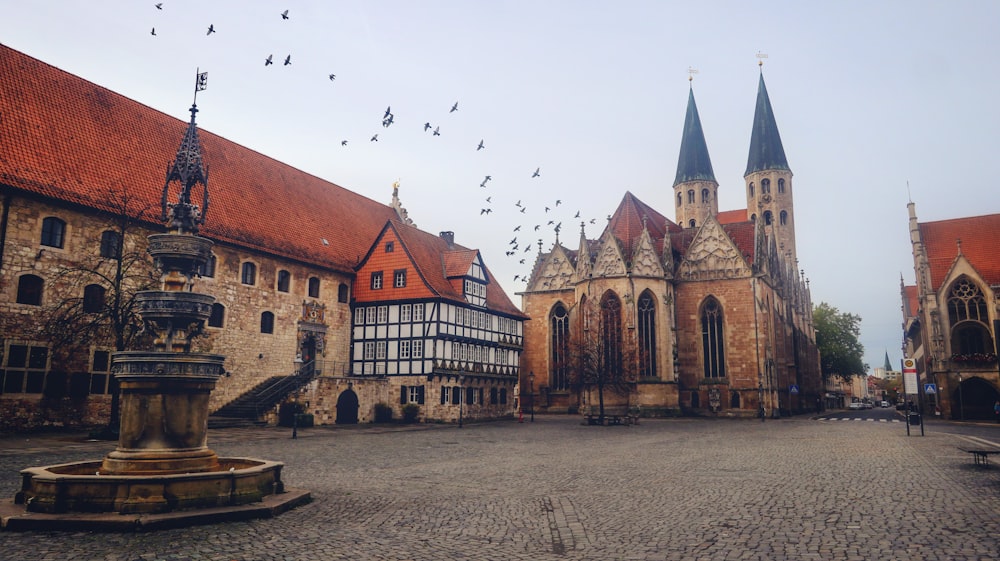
(678, 489)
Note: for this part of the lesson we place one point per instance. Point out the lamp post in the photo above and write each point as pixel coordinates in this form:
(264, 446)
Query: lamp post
(461, 398)
(531, 390)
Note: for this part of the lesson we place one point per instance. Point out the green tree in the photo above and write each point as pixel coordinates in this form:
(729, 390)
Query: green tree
(837, 338)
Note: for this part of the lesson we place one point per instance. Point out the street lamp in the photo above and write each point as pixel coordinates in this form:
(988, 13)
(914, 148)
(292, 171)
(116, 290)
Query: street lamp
(461, 398)
(531, 390)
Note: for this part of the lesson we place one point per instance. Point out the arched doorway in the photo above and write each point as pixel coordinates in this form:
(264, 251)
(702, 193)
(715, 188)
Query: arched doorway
(347, 408)
(973, 400)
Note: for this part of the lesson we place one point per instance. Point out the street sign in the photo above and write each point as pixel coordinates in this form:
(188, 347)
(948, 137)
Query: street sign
(793, 389)
(910, 376)
(930, 389)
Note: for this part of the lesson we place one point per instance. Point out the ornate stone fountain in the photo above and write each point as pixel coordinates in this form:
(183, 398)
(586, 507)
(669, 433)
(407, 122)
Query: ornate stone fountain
(162, 463)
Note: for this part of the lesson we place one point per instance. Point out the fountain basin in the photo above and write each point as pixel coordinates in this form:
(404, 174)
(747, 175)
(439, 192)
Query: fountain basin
(80, 487)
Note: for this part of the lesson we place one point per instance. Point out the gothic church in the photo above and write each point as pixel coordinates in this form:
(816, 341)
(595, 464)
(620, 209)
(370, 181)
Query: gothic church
(707, 314)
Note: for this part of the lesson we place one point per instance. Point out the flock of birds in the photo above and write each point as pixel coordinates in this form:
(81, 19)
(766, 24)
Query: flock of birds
(516, 248)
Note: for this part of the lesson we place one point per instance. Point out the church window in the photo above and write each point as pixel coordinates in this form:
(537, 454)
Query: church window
(111, 244)
(680, 199)
(967, 313)
(217, 316)
(267, 322)
(284, 280)
(53, 232)
(647, 335)
(29, 290)
(783, 218)
(610, 337)
(313, 287)
(712, 339)
(767, 217)
(559, 377)
(704, 195)
(691, 223)
(93, 298)
(751, 189)
(691, 195)
(765, 186)
(781, 185)
(248, 273)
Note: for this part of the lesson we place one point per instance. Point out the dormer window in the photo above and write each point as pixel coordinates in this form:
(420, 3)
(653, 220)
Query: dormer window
(475, 292)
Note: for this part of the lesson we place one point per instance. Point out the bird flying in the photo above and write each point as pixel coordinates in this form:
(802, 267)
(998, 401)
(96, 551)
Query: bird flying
(153, 32)
(547, 209)
(537, 172)
(454, 107)
(343, 143)
(333, 77)
(488, 198)
(211, 30)
(558, 202)
(480, 147)
(388, 111)
(288, 60)
(375, 138)
(537, 226)
(437, 131)
(159, 6)
(518, 229)
(426, 126)
(485, 211)
(284, 15)
(518, 203)
(577, 215)
(268, 62)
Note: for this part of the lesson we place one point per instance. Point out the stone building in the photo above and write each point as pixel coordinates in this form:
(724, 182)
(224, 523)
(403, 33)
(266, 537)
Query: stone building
(706, 314)
(78, 161)
(951, 316)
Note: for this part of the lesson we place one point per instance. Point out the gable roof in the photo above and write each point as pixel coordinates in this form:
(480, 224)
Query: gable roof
(69, 139)
(627, 222)
(437, 262)
(980, 238)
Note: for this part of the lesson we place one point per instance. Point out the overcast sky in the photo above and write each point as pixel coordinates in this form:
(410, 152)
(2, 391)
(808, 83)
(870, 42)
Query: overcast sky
(878, 103)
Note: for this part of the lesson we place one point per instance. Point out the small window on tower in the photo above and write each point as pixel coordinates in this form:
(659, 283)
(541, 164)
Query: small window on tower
(704, 195)
(783, 218)
(765, 186)
(691, 195)
(680, 199)
(691, 224)
(751, 189)
(781, 185)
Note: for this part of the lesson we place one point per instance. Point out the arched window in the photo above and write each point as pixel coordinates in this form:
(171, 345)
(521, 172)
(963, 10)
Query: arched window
(313, 287)
(783, 218)
(765, 186)
(559, 370)
(767, 217)
(781, 185)
(610, 341)
(753, 217)
(93, 298)
(218, 315)
(647, 335)
(207, 269)
(248, 273)
(968, 315)
(712, 339)
(267, 322)
(342, 293)
(691, 223)
(53, 232)
(284, 281)
(751, 188)
(111, 244)
(690, 195)
(29, 290)
(680, 199)
(704, 195)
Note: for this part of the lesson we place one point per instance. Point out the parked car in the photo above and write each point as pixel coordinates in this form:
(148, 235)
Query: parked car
(884, 404)
(856, 405)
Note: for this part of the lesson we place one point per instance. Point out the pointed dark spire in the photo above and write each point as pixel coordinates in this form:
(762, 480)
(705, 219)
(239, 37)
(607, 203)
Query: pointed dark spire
(188, 170)
(766, 151)
(693, 163)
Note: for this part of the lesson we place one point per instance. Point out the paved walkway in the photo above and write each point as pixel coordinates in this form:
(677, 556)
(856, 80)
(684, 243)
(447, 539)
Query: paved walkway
(680, 489)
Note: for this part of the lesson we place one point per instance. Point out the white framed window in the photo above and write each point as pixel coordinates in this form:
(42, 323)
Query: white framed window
(370, 314)
(383, 314)
(399, 278)
(359, 316)
(370, 350)
(404, 349)
(418, 312)
(416, 394)
(445, 394)
(380, 350)
(418, 349)
(404, 312)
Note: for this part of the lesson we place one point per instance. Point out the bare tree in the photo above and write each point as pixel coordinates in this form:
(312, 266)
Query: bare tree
(94, 299)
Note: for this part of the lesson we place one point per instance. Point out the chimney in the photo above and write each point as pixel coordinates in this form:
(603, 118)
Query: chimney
(448, 237)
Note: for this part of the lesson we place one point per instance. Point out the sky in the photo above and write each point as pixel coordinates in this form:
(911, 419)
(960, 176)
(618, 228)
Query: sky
(878, 104)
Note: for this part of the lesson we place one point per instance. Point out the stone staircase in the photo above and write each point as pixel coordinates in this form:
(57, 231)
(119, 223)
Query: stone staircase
(248, 409)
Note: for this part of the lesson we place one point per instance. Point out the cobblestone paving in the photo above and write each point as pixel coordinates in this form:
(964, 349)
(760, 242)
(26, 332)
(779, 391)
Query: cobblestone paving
(684, 490)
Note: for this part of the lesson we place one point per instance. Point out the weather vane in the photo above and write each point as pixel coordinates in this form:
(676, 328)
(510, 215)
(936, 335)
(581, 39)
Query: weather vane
(200, 83)
(760, 58)
(691, 73)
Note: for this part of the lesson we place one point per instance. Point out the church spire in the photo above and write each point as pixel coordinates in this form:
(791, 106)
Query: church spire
(766, 151)
(188, 170)
(693, 163)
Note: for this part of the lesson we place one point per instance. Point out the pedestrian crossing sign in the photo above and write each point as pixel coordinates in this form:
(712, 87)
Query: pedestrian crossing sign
(793, 389)
(930, 388)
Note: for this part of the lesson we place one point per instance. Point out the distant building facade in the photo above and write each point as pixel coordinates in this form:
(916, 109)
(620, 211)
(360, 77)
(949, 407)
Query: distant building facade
(704, 315)
(950, 316)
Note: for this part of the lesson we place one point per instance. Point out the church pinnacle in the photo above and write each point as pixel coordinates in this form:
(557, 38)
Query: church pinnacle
(766, 151)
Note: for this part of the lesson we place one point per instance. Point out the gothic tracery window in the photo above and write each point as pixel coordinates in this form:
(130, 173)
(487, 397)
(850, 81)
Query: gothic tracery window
(559, 373)
(712, 339)
(647, 335)
(968, 317)
(611, 335)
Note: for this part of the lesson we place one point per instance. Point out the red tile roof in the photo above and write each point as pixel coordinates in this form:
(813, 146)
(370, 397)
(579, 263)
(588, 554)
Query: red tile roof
(69, 139)
(731, 216)
(911, 301)
(980, 236)
(433, 261)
